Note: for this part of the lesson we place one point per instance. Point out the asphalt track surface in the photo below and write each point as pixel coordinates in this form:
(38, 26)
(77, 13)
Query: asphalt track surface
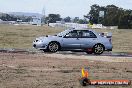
(113, 54)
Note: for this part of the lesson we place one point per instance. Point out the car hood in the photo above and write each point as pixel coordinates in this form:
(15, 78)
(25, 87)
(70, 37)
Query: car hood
(46, 37)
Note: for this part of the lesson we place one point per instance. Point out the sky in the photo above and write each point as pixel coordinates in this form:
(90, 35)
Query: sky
(72, 8)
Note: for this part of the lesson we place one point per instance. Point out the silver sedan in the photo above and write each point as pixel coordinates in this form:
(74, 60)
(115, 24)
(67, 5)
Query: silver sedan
(75, 40)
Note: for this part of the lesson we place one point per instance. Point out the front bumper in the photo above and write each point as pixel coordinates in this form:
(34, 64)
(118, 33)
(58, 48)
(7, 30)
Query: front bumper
(39, 46)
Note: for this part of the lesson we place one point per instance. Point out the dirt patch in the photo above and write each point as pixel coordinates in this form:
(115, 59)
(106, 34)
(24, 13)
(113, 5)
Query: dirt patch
(45, 71)
(90, 57)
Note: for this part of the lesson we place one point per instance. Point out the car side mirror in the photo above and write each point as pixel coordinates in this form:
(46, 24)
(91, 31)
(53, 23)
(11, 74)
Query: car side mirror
(67, 36)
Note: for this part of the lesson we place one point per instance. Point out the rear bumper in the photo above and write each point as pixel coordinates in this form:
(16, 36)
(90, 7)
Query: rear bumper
(108, 47)
(108, 50)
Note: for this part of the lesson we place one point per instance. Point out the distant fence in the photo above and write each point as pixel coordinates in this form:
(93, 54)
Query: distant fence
(100, 26)
(64, 25)
(79, 26)
(69, 25)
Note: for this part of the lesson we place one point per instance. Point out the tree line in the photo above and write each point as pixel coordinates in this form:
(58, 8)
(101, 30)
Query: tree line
(110, 15)
(9, 17)
(52, 18)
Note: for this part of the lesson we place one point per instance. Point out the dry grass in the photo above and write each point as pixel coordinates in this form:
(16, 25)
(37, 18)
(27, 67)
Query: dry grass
(22, 36)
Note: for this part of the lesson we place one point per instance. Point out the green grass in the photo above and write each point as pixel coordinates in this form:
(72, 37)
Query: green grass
(21, 36)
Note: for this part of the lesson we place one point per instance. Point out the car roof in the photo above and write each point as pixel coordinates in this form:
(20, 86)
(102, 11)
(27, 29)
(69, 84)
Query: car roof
(81, 29)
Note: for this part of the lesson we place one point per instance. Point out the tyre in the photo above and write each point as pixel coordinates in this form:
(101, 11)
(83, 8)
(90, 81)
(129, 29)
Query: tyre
(85, 82)
(98, 49)
(53, 47)
(89, 52)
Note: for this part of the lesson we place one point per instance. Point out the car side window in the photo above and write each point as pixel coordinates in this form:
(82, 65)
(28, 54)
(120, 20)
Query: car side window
(88, 34)
(72, 34)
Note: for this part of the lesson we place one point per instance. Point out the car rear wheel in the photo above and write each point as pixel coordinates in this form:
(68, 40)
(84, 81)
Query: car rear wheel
(98, 49)
(53, 47)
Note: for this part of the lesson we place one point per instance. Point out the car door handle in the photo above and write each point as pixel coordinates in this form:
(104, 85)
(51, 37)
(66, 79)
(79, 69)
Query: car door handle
(77, 38)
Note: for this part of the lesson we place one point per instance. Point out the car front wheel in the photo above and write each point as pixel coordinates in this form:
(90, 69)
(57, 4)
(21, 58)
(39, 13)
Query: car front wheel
(98, 49)
(53, 47)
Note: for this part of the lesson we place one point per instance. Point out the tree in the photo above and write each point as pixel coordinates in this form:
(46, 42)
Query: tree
(111, 17)
(67, 19)
(94, 13)
(83, 21)
(126, 20)
(52, 18)
(76, 19)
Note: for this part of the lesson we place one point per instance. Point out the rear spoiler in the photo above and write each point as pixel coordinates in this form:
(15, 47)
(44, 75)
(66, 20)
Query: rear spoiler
(106, 34)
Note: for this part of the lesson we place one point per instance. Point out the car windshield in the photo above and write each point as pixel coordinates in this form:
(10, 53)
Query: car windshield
(63, 32)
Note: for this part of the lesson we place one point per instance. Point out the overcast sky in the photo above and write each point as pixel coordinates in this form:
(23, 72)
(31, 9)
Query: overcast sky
(72, 8)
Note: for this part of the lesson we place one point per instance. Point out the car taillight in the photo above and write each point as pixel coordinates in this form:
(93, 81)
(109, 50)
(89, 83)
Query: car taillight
(110, 40)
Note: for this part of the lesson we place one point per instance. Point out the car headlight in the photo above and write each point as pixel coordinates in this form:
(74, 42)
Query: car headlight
(38, 40)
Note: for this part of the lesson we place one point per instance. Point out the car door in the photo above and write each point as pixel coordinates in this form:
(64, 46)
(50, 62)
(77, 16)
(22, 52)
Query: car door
(71, 40)
(88, 39)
